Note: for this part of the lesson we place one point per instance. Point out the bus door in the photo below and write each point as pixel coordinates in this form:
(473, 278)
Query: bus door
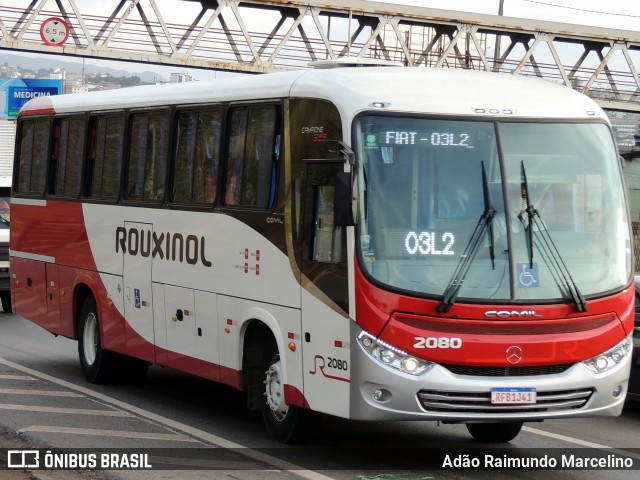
(325, 319)
(138, 298)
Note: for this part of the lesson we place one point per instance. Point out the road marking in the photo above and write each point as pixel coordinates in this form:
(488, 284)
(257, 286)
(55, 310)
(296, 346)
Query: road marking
(224, 443)
(73, 411)
(44, 393)
(174, 437)
(582, 443)
(172, 424)
(564, 438)
(16, 377)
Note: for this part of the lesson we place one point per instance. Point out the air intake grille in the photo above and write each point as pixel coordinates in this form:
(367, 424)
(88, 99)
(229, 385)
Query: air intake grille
(507, 371)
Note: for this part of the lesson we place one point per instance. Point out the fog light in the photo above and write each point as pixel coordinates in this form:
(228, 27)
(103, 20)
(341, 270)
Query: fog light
(381, 395)
(617, 391)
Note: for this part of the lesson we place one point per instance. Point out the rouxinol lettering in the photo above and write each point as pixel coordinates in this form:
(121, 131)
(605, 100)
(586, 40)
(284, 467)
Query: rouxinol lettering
(166, 246)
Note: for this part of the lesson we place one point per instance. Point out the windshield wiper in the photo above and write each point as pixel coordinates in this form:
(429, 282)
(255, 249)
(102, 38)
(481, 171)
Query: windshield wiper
(484, 224)
(545, 244)
(529, 210)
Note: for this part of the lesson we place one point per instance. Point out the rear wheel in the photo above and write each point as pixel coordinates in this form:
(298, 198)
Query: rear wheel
(287, 423)
(98, 365)
(494, 432)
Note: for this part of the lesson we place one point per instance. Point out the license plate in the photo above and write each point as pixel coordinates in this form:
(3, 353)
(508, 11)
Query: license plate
(513, 395)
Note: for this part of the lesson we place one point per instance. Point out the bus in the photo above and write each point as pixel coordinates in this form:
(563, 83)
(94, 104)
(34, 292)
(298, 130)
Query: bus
(368, 242)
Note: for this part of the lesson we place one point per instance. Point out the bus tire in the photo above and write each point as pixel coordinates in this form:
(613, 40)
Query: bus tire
(98, 365)
(5, 297)
(286, 423)
(494, 432)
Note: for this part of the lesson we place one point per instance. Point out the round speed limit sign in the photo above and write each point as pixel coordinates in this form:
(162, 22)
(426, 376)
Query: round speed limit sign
(54, 31)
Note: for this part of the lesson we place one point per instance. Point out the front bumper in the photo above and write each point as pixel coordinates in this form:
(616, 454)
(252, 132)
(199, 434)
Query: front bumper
(379, 392)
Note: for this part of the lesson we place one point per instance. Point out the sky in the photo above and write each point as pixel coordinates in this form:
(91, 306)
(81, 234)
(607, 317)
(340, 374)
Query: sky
(619, 14)
(608, 13)
(603, 13)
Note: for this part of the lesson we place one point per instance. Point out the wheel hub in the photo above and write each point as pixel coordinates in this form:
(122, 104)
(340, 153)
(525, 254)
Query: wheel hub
(90, 339)
(274, 391)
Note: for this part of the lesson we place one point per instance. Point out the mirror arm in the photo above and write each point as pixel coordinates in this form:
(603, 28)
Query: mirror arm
(347, 153)
(344, 150)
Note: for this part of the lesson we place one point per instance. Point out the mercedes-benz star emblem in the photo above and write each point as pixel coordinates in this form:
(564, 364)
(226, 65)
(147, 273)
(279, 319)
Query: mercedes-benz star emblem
(514, 354)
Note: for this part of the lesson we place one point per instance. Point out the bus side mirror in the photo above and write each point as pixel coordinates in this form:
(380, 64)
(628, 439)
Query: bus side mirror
(345, 199)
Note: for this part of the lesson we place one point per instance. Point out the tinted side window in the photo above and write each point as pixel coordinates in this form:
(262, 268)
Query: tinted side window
(197, 156)
(67, 156)
(104, 162)
(26, 133)
(252, 156)
(32, 158)
(148, 156)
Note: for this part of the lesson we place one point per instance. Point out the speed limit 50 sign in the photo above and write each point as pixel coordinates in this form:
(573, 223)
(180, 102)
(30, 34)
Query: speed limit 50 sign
(54, 31)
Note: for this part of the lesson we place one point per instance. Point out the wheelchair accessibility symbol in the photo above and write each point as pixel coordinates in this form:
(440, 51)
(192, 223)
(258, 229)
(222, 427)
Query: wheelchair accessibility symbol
(528, 275)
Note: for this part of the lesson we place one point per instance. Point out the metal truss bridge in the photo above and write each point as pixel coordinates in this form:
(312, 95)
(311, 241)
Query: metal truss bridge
(256, 36)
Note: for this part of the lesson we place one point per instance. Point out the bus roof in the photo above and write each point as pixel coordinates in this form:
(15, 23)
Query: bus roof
(355, 89)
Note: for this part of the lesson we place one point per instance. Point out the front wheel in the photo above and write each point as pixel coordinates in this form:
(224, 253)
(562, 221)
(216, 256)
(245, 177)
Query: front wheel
(287, 423)
(494, 432)
(98, 365)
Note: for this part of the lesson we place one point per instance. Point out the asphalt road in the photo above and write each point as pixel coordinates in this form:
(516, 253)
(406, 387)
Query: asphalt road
(178, 419)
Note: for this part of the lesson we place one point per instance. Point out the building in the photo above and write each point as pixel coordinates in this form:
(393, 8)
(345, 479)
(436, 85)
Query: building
(180, 78)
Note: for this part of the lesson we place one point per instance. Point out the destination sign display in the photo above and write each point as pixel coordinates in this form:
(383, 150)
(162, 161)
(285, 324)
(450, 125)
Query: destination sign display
(428, 138)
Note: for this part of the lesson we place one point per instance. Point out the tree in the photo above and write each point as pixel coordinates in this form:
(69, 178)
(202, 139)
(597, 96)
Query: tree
(129, 81)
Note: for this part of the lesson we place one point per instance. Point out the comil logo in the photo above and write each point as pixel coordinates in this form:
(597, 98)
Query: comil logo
(23, 459)
(512, 314)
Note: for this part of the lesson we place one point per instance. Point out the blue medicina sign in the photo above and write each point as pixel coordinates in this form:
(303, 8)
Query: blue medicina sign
(528, 276)
(136, 297)
(18, 92)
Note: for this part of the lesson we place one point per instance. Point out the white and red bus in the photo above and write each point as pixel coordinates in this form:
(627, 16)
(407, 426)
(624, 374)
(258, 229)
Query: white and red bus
(376, 243)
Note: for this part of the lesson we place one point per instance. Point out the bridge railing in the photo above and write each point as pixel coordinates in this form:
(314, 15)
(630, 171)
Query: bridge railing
(261, 36)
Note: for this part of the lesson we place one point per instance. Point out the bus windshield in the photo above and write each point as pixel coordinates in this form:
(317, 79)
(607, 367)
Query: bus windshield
(507, 211)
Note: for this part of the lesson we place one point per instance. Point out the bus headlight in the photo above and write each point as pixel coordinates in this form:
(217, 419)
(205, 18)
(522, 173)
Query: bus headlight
(391, 356)
(609, 359)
